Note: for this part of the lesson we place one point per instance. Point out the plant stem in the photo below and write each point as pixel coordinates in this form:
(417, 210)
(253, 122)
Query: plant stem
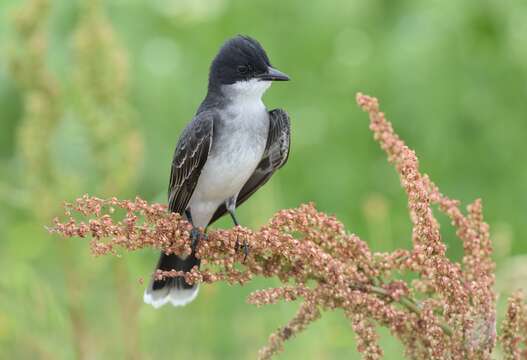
(405, 301)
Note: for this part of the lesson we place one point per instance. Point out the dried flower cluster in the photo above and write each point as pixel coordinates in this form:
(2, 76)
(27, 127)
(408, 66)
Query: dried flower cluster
(41, 99)
(86, 109)
(447, 313)
(95, 106)
(514, 329)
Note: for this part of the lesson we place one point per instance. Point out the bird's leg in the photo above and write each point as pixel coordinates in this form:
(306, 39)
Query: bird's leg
(231, 208)
(195, 234)
(234, 220)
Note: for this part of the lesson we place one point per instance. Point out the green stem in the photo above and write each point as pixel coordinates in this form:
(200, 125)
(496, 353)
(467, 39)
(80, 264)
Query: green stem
(405, 301)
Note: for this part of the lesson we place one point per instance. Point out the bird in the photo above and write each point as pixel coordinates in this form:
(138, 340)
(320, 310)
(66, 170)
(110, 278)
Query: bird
(231, 147)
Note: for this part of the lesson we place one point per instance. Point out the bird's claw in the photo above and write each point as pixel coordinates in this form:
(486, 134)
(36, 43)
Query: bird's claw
(245, 250)
(244, 247)
(237, 244)
(195, 236)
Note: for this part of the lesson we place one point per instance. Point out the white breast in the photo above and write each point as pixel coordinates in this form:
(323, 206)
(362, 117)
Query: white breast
(238, 146)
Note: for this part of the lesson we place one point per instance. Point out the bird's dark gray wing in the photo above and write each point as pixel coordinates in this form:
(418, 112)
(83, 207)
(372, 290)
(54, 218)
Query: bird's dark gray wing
(274, 157)
(189, 158)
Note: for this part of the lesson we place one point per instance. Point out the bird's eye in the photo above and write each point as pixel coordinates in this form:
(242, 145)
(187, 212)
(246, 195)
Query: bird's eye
(243, 69)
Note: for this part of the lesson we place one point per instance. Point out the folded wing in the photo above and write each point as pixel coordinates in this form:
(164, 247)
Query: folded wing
(190, 156)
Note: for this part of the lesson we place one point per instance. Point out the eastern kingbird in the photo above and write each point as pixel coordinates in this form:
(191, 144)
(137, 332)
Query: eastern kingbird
(232, 146)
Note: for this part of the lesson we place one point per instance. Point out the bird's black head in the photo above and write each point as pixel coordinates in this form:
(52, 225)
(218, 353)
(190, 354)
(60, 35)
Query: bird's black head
(242, 59)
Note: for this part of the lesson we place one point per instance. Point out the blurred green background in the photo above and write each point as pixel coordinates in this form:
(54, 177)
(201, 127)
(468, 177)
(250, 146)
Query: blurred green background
(93, 96)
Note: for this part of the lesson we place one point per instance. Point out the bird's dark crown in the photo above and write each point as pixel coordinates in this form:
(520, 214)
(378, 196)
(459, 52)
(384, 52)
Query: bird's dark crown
(240, 58)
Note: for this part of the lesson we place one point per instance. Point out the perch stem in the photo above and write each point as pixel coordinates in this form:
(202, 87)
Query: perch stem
(408, 303)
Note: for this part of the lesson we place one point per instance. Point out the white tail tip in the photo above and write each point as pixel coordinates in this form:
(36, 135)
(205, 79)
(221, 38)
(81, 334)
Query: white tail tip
(173, 295)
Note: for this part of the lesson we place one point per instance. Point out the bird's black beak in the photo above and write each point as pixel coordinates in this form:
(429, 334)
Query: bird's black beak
(273, 75)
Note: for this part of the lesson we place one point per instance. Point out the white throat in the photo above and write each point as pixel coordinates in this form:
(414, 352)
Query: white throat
(246, 91)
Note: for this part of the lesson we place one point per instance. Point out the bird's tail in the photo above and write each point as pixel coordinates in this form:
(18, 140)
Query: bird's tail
(174, 290)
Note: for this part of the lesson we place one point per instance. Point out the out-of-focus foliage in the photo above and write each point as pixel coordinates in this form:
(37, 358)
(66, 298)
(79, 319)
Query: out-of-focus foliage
(93, 96)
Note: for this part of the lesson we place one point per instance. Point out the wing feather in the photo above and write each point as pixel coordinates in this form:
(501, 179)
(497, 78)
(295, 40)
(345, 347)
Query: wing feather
(189, 158)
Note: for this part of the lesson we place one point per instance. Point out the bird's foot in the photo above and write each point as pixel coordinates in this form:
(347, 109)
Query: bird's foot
(244, 248)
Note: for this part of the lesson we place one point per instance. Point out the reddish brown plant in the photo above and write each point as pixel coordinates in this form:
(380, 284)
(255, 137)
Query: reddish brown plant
(328, 268)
